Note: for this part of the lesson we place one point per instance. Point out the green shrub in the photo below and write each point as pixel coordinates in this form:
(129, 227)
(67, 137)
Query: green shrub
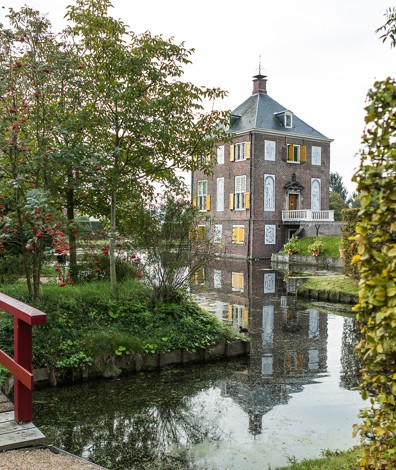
(350, 218)
(376, 260)
(292, 246)
(84, 322)
(11, 267)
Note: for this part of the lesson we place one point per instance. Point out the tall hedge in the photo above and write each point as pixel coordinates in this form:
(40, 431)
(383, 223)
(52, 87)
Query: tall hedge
(350, 218)
(376, 260)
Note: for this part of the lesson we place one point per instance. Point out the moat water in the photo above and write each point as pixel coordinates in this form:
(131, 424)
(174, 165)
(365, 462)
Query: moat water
(295, 396)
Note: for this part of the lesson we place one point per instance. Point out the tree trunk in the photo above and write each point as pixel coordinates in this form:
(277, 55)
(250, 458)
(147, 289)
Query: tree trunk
(113, 226)
(36, 275)
(26, 266)
(72, 236)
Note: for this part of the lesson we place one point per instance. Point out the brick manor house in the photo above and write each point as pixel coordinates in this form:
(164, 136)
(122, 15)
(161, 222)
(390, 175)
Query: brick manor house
(272, 178)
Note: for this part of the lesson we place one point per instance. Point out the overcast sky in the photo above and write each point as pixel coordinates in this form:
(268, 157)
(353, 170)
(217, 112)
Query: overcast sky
(321, 57)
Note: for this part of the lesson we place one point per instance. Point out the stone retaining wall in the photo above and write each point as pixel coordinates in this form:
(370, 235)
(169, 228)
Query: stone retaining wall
(319, 261)
(118, 365)
(328, 296)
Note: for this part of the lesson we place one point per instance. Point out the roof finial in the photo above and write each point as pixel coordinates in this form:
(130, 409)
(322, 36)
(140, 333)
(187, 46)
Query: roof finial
(259, 64)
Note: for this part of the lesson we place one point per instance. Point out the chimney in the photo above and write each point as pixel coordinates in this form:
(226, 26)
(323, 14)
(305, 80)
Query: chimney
(259, 84)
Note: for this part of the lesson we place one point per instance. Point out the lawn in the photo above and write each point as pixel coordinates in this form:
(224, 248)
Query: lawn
(332, 283)
(331, 245)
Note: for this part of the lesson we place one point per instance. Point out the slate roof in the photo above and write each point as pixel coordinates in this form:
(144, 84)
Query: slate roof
(258, 112)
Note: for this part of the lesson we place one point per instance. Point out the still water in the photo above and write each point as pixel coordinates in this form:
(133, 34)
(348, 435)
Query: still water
(292, 398)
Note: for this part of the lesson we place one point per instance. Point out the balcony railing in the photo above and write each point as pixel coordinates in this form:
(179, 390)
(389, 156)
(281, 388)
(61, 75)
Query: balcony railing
(307, 215)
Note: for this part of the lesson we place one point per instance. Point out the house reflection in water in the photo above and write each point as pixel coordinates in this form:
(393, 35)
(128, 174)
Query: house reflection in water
(288, 345)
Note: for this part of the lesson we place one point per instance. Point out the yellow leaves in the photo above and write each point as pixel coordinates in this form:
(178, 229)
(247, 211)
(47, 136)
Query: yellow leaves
(355, 259)
(391, 291)
(378, 431)
(392, 252)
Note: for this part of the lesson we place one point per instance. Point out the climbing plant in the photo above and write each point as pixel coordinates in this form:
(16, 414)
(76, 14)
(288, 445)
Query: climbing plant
(376, 260)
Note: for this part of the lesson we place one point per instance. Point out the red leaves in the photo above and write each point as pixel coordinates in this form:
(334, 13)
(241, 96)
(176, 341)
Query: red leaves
(62, 284)
(13, 110)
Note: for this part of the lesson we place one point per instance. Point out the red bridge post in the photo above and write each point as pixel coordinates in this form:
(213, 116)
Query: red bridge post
(23, 396)
(20, 366)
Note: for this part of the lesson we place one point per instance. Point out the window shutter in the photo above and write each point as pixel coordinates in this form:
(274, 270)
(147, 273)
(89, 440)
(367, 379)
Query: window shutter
(201, 276)
(201, 232)
(208, 159)
(245, 315)
(232, 152)
(231, 201)
(192, 234)
(247, 150)
(290, 153)
(246, 200)
(241, 237)
(234, 234)
(194, 201)
(303, 154)
(207, 203)
(229, 312)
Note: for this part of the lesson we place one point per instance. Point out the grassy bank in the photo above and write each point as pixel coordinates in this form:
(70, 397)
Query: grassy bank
(331, 461)
(331, 283)
(85, 322)
(330, 246)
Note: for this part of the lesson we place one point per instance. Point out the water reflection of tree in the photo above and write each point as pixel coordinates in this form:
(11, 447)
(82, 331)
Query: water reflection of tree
(121, 427)
(350, 363)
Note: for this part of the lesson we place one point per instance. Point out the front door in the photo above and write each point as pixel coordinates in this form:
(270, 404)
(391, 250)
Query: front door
(293, 200)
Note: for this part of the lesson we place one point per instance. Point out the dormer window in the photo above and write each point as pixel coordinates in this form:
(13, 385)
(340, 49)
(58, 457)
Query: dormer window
(285, 118)
(288, 122)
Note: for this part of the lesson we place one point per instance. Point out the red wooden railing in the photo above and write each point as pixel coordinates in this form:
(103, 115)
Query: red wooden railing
(20, 366)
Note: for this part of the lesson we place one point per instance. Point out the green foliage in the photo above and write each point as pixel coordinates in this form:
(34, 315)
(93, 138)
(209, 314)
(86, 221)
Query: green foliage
(337, 186)
(291, 246)
(389, 28)
(350, 218)
(175, 246)
(332, 460)
(332, 283)
(11, 267)
(376, 260)
(74, 119)
(107, 342)
(4, 374)
(87, 323)
(316, 245)
(337, 204)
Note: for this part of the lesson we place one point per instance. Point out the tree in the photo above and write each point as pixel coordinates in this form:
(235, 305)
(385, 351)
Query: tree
(376, 258)
(337, 204)
(338, 195)
(337, 186)
(145, 122)
(27, 94)
(91, 120)
(173, 238)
